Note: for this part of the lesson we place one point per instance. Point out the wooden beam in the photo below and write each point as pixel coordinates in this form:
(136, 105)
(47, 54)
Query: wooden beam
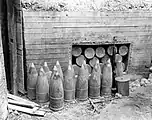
(22, 109)
(33, 111)
(12, 45)
(23, 100)
(24, 104)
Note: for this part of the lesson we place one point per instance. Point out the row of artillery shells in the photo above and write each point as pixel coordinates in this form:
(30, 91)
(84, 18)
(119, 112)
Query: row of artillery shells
(99, 52)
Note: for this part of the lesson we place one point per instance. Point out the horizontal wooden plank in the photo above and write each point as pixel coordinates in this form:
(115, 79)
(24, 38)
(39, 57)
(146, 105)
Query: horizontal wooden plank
(82, 16)
(100, 30)
(88, 13)
(22, 109)
(139, 28)
(88, 33)
(52, 56)
(118, 29)
(16, 98)
(95, 24)
(98, 40)
(77, 33)
(82, 31)
(47, 46)
(44, 56)
(47, 41)
(106, 38)
(81, 20)
(46, 51)
(20, 103)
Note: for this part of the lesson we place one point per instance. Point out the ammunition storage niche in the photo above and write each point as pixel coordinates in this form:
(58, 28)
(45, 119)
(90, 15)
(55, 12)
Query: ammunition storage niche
(91, 53)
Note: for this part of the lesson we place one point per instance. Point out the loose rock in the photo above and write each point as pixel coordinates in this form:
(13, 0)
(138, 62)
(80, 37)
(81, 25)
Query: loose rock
(134, 85)
(150, 78)
(144, 82)
(118, 95)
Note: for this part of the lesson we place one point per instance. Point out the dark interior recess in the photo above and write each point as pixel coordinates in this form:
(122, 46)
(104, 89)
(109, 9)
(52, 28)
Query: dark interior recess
(105, 46)
(24, 56)
(5, 42)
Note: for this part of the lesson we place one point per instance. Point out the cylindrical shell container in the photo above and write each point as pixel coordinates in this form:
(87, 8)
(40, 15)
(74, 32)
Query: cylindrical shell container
(93, 61)
(76, 69)
(95, 82)
(45, 67)
(47, 71)
(80, 59)
(89, 53)
(119, 69)
(59, 69)
(110, 50)
(123, 50)
(69, 84)
(101, 67)
(82, 83)
(42, 87)
(106, 79)
(105, 58)
(31, 82)
(123, 84)
(100, 52)
(118, 58)
(89, 68)
(76, 51)
(56, 91)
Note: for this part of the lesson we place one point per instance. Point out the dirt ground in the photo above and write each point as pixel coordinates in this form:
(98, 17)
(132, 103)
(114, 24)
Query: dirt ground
(138, 106)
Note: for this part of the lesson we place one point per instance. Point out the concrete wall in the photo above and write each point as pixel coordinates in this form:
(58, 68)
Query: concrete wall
(50, 35)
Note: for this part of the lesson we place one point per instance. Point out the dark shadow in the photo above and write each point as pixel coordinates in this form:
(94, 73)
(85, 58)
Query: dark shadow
(5, 42)
(24, 55)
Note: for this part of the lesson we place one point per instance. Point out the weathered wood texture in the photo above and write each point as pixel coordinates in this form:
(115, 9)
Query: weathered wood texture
(49, 35)
(19, 39)
(15, 37)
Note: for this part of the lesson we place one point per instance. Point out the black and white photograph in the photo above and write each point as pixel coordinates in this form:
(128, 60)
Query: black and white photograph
(75, 59)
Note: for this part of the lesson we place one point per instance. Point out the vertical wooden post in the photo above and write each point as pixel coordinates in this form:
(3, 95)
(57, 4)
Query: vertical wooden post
(3, 88)
(114, 89)
(12, 44)
(19, 40)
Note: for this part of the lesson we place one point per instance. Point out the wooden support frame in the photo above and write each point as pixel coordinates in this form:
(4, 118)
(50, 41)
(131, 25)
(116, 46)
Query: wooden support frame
(15, 36)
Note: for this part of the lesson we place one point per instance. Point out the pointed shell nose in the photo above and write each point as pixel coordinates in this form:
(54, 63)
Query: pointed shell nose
(32, 65)
(55, 68)
(45, 64)
(57, 62)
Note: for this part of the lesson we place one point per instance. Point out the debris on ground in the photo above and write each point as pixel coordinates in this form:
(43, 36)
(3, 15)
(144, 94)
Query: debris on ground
(150, 78)
(133, 85)
(21, 105)
(118, 95)
(16, 98)
(95, 109)
(144, 82)
(138, 81)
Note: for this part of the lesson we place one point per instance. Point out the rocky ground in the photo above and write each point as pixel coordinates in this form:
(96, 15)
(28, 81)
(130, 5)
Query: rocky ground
(137, 106)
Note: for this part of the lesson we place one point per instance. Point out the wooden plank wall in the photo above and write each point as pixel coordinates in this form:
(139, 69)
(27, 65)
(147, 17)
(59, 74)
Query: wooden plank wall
(49, 35)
